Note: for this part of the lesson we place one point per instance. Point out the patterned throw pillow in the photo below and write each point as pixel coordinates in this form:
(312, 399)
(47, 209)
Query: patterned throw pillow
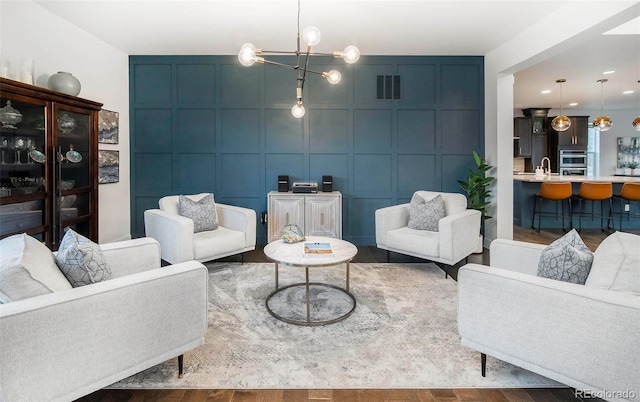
(202, 213)
(81, 260)
(567, 259)
(425, 215)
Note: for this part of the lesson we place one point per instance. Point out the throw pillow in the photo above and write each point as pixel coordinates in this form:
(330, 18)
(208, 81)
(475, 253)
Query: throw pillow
(202, 213)
(425, 215)
(28, 269)
(567, 259)
(616, 264)
(81, 260)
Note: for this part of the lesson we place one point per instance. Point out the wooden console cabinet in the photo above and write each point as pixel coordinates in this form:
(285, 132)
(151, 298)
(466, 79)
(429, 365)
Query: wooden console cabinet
(318, 214)
(49, 167)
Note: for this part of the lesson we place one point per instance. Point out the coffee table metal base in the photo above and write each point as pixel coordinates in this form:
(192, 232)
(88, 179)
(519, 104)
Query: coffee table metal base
(307, 285)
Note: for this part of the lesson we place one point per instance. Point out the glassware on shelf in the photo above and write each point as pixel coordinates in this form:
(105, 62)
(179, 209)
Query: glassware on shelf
(66, 123)
(73, 156)
(9, 116)
(37, 156)
(4, 145)
(19, 144)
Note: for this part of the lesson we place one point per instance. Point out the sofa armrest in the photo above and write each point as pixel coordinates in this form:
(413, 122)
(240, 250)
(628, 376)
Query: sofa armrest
(173, 232)
(459, 235)
(575, 334)
(63, 345)
(240, 219)
(517, 256)
(390, 218)
(131, 256)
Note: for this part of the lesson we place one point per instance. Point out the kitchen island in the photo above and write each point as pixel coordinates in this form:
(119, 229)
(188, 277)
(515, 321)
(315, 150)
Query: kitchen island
(526, 185)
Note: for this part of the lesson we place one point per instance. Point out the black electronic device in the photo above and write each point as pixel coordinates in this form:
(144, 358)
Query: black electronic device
(283, 183)
(327, 184)
(304, 187)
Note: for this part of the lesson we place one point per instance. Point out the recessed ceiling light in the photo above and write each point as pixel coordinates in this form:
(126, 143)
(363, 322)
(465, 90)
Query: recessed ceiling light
(573, 104)
(627, 92)
(546, 91)
(608, 72)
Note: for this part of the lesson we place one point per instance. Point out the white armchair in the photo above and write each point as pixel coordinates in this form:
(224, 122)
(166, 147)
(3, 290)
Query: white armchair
(457, 237)
(236, 232)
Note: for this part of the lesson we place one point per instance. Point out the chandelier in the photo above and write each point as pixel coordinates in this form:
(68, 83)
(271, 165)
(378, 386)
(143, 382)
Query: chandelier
(561, 122)
(602, 122)
(250, 55)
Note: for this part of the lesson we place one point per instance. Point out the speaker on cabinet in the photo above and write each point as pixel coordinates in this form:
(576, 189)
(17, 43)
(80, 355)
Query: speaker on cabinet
(327, 184)
(283, 183)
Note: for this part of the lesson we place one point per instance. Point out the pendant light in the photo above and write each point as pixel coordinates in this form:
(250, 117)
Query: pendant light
(561, 122)
(636, 121)
(602, 122)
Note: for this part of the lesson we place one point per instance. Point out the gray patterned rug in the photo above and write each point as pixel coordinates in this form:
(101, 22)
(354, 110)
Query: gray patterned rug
(403, 334)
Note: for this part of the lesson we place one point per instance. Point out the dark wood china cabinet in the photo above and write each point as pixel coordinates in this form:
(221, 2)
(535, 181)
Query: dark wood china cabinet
(49, 166)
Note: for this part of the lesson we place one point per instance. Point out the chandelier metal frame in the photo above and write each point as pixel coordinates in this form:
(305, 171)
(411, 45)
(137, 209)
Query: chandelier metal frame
(249, 55)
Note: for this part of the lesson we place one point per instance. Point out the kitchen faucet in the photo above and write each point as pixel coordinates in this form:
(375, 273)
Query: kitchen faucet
(548, 171)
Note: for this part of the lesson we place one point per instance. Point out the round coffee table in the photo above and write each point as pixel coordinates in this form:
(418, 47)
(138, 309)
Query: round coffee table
(342, 252)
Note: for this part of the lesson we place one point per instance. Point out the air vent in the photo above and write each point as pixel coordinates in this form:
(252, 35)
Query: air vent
(388, 87)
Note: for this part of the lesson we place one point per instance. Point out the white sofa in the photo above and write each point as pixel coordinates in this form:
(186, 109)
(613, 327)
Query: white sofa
(457, 237)
(584, 336)
(63, 345)
(236, 232)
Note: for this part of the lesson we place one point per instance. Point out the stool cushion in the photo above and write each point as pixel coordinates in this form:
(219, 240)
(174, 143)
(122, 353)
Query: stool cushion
(616, 264)
(567, 259)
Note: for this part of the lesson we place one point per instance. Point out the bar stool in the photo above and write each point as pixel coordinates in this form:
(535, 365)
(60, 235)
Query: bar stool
(553, 191)
(595, 191)
(630, 192)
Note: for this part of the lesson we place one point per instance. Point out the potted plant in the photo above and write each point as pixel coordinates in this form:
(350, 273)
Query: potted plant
(632, 166)
(477, 188)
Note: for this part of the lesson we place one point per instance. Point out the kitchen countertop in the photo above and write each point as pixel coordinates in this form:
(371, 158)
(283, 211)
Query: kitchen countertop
(530, 177)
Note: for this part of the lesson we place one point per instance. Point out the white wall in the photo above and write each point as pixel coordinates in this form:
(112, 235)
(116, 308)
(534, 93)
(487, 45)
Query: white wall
(31, 32)
(547, 38)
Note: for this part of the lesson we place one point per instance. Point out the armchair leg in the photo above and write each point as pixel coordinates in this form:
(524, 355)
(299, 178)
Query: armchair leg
(242, 258)
(388, 252)
(180, 365)
(483, 364)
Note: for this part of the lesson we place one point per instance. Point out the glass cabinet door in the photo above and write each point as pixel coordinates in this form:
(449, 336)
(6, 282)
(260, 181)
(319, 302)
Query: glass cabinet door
(73, 179)
(23, 167)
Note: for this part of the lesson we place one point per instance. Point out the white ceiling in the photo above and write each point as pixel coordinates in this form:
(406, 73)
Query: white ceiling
(377, 27)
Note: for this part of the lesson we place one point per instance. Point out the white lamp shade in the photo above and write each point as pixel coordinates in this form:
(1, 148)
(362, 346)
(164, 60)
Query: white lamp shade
(311, 36)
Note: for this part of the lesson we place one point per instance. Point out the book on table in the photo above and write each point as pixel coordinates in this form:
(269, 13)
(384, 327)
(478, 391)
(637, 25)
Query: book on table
(321, 249)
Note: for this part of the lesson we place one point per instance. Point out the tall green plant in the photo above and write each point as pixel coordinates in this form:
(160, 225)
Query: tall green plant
(477, 186)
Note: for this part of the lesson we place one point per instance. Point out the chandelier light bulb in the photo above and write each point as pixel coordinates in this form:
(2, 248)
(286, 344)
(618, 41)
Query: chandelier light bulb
(298, 110)
(333, 76)
(350, 54)
(247, 54)
(311, 36)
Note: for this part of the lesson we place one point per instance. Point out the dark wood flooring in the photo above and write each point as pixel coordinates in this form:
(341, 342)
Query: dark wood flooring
(369, 254)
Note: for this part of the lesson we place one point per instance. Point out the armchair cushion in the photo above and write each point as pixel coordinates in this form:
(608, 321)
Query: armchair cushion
(28, 269)
(81, 260)
(567, 259)
(425, 214)
(202, 212)
(616, 264)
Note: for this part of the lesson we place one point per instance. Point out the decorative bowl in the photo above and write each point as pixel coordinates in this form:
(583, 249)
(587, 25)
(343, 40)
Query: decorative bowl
(292, 234)
(9, 116)
(67, 184)
(20, 182)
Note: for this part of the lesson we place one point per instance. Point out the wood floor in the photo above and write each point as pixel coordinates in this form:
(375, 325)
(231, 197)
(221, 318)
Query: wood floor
(592, 239)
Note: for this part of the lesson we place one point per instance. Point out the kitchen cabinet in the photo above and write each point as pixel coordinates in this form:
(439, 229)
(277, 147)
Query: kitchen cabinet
(575, 137)
(318, 214)
(49, 166)
(522, 130)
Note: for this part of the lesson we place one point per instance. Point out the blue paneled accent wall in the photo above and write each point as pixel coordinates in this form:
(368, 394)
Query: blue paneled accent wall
(208, 124)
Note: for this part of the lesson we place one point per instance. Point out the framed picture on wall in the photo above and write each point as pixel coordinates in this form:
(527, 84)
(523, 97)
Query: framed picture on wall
(628, 151)
(108, 126)
(108, 166)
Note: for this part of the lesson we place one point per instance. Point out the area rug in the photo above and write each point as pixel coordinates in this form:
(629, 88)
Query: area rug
(402, 334)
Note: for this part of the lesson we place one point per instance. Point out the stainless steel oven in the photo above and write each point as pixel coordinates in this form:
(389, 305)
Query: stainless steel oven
(573, 162)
